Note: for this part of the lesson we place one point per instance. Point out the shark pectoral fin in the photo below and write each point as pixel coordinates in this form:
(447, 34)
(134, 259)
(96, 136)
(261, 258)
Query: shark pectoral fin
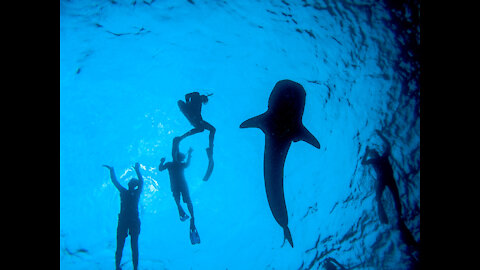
(254, 122)
(308, 137)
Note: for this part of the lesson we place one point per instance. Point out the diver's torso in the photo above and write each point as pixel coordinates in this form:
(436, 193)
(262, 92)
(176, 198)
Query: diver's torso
(129, 204)
(384, 170)
(176, 171)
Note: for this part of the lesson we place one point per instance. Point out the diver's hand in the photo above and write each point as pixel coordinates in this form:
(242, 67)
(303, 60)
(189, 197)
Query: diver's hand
(190, 150)
(162, 160)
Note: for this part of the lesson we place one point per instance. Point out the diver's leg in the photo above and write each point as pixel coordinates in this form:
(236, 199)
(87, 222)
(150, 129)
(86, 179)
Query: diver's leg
(405, 232)
(190, 209)
(175, 147)
(191, 132)
(134, 233)
(406, 235)
(378, 197)
(211, 136)
(134, 245)
(194, 237)
(396, 198)
(188, 201)
(176, 196)
(121, 235)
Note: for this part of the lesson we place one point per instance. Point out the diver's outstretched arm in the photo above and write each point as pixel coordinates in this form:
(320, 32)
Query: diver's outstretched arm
(162, 166)
(113, 177)
(139, 175)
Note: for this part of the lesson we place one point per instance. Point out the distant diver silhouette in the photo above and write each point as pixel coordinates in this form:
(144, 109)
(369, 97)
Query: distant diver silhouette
(385, 178)
(128, 220)
(192, 109)
(178, 185)
(282, 125)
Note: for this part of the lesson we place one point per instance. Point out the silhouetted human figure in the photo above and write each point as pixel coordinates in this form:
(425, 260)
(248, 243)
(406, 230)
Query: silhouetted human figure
(178, 185)
(128, 220)
(192, 109)
(385, 178)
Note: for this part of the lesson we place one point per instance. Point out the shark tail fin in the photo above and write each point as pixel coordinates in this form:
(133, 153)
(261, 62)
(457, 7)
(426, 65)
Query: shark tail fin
(307, 136)
(287, 235)
(254, 122)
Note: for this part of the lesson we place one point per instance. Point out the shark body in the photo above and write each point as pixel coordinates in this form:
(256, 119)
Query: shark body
(282, 125)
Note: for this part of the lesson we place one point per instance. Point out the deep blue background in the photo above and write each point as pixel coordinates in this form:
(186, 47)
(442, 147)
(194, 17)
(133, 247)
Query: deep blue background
(124, 66)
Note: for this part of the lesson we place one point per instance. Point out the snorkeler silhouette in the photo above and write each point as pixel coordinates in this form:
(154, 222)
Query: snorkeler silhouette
(282, 125)
(385, 178)
(179, 185)
(192, 109)
(128, 220)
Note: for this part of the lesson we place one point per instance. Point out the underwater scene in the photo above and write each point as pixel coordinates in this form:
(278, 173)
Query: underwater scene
(247, 134)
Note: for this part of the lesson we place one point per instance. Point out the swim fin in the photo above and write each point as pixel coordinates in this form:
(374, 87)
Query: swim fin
(210, 164)
(184, 217)
(194, 237)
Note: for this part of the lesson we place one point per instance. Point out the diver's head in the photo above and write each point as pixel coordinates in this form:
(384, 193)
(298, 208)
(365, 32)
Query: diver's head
(374, 153)
(180, 156)
(133, 184)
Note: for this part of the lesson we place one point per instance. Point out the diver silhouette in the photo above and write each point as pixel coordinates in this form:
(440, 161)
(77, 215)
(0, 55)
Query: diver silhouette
(192, 109)
(128, 220)
(385, 178)
(178, 185)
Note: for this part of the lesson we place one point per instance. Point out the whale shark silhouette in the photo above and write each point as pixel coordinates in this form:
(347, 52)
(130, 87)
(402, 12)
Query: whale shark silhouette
(282, 125)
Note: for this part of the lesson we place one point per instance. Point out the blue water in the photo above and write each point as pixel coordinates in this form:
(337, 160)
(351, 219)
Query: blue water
(123, 66)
